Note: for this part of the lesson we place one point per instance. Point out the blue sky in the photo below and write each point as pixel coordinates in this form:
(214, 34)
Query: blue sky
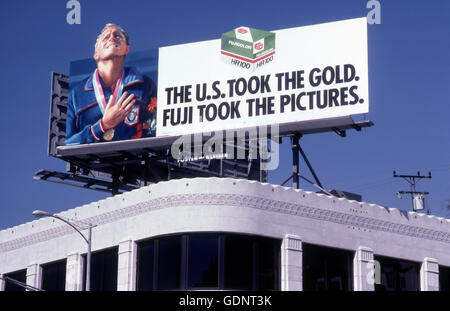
(408, 75)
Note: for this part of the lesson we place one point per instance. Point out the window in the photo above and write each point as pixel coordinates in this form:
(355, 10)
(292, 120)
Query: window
(238, 262)
(267, 263)
(145, 270)
(20, 276)
(104, 266)
(203, 260)
(327, 269)
(208, 261)
(169, 258)
(54, 276)
(444, 278)
(397, 275)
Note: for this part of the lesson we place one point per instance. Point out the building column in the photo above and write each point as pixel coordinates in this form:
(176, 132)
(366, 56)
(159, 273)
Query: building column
(364, 272)
(34, 275)
(429, 275)
(74, 272)
(126, 276)
(2, 283)
(291, 263)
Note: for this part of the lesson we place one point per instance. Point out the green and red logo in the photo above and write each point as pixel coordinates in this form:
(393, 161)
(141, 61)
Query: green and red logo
(247, 47)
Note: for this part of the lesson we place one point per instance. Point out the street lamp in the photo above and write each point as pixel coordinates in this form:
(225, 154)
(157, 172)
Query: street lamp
(40, 214)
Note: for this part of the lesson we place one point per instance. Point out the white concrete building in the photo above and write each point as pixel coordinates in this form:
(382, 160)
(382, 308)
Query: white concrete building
(213, 233)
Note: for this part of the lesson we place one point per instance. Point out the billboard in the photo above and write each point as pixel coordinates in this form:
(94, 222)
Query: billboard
(248, 78)
(303, 74)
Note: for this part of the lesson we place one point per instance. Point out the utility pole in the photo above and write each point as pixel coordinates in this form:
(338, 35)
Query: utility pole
(417, 197)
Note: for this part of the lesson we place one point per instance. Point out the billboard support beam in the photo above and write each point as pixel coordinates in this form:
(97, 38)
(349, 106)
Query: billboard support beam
(309, 166)
(341, 132)
(76, 180)
(115, 185)
(295, 159)
(169, 175)
(296, 149)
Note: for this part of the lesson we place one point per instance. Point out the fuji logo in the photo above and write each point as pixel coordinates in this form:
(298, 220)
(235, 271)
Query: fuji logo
(259, 46)
(242, 30)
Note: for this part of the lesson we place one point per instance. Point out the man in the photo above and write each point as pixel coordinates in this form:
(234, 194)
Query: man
(115, 102)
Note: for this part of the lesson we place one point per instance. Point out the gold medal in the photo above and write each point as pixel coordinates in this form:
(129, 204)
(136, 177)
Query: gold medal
(108, 135)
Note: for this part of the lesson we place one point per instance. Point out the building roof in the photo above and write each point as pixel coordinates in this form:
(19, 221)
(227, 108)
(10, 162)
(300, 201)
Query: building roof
(251, 207)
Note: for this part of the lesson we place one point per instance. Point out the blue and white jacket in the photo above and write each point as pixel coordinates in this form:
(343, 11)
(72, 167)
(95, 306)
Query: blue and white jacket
(84, 114)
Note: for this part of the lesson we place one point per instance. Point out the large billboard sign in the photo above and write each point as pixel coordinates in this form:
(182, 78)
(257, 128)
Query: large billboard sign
(246, 78)
(303, 74)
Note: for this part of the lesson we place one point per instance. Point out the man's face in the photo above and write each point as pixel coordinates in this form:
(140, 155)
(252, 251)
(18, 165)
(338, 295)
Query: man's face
(111, 43)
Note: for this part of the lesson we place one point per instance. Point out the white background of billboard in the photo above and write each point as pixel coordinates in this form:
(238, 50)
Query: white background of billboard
(301, 48)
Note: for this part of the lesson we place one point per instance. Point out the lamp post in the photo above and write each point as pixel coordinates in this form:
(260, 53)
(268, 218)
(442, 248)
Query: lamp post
(40, 214)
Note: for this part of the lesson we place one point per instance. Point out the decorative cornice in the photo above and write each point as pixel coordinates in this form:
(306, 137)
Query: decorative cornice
(236, 200)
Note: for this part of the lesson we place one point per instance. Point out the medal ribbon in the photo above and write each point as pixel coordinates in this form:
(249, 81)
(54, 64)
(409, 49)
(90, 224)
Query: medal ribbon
(100, 95)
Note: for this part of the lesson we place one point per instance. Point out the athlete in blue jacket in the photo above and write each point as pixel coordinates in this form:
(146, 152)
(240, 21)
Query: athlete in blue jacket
(115, 102)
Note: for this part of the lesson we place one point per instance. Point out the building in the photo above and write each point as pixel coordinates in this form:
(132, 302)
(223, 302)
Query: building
(223, 233)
